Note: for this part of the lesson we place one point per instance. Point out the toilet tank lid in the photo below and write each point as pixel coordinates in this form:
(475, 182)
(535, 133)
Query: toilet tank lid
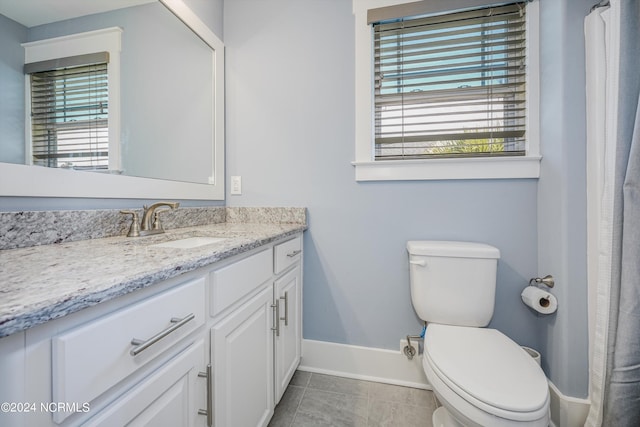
(452, 249)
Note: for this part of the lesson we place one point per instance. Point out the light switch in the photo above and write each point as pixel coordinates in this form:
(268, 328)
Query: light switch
(236, 185)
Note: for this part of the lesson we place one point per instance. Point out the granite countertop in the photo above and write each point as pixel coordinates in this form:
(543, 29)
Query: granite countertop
(42, 283)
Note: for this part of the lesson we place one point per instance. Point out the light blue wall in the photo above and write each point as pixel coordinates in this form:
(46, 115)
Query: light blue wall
(562, 193)
(290, 135)
(290, 130)
(12, 80)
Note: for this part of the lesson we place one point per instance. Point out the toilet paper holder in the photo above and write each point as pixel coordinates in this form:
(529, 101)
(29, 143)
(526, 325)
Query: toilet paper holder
(546, 280)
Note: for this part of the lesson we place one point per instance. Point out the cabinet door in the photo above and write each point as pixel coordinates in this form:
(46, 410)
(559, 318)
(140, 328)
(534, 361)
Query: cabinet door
(12, 385)
(171, 396)
(242, 360)
(288, 294)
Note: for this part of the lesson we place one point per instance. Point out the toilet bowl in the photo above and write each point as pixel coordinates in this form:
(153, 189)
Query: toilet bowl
(483, 378)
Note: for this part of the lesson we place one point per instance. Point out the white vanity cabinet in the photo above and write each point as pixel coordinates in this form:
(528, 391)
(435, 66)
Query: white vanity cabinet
(134, 360)
(242, 341)
(257, 333)
(213, 347)
(288, 300)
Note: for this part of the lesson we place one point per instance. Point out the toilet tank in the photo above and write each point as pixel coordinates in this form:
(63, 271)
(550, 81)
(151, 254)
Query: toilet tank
(453, 283)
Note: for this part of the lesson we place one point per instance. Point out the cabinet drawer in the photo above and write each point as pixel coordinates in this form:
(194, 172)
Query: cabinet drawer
(90, 359)
(286, 254)
(231, 283)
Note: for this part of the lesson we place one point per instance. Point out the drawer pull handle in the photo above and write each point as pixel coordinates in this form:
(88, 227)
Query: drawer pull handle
(286, 308)
(209, 411)
(141, 345)
(294, 253)
(276, 309)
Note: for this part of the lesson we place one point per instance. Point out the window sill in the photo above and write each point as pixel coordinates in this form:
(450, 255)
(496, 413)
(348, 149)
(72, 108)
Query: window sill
(448, 169)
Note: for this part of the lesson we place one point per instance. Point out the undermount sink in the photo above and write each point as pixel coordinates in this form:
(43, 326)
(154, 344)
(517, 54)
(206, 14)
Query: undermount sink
(189, 242)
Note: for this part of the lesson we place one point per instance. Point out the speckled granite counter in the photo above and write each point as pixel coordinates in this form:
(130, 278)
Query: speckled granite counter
(42, 283)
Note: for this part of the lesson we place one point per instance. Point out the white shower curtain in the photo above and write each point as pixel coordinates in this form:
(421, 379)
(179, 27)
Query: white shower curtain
(613, 212)
(602, 52)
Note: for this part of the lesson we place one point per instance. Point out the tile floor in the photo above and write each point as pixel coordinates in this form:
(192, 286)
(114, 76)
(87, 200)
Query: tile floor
(324, 400)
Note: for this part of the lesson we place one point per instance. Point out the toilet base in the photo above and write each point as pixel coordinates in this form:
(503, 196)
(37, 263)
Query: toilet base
(442, 418)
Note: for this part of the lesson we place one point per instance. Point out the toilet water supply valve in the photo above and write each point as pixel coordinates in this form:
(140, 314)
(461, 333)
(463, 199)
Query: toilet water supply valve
(409, 350)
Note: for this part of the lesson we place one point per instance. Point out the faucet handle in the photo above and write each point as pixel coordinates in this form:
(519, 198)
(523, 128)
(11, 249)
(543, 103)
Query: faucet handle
(134, 230)
(156, 220)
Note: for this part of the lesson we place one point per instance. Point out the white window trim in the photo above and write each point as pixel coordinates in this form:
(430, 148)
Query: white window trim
(367, 169)
(105, 40)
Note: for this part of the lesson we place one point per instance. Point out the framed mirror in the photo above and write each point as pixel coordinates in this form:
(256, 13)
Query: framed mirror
(159, 159)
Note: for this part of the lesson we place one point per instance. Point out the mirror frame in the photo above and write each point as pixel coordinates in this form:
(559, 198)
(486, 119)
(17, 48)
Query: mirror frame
(35, 181)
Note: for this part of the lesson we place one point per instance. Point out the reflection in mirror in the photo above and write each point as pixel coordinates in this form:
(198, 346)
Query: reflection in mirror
(12, 112)
(167, 97)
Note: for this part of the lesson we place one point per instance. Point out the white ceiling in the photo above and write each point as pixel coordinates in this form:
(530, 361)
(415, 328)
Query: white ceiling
(37, 12)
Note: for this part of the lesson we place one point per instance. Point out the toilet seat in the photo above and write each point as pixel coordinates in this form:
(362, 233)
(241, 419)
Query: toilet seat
(488, 370)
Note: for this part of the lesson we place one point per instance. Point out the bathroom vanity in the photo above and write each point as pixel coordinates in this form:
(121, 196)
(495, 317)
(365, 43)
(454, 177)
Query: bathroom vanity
(199, 326)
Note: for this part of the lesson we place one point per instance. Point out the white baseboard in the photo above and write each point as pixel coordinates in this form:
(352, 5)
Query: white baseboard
(363, 363)
(567, 411)
(392, 367)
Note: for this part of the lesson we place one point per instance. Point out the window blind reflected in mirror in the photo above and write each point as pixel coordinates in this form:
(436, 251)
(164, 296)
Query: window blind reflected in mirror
(70, 112)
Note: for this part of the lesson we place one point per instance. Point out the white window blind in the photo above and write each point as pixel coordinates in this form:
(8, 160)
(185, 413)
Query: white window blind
(69, 112)
(451, 85)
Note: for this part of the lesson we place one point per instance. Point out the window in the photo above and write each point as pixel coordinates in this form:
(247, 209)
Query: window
(451, 85)
(69, 112)
(451, 94)
(73, 114)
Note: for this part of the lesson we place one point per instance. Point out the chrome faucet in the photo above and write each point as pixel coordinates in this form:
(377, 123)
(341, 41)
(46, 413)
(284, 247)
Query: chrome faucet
(150, 223)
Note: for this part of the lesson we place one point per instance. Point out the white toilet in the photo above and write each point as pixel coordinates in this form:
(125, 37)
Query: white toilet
(481, 377)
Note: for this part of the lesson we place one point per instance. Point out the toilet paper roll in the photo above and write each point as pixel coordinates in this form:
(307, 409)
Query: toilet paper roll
(540, 300)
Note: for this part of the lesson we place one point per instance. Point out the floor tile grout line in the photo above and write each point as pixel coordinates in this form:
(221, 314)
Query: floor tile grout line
(362, 396)
(304, 392)
(295, 413)
(368, 403)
